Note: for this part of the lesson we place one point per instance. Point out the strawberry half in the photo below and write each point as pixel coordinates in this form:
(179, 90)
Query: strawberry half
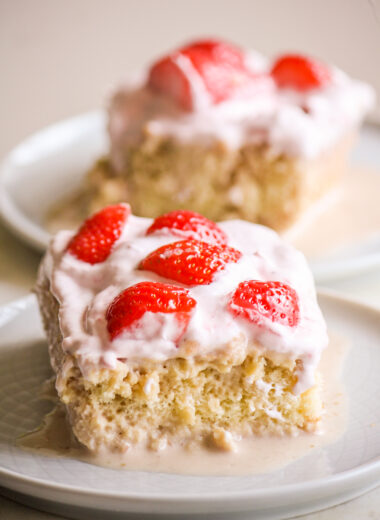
(190, 262)
(260, 301)
(216, 68)
(94, 241)
(130, 305)
(189, 224)
(300, 72)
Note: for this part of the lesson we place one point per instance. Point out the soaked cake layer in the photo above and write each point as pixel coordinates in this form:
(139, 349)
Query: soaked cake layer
(259, 454)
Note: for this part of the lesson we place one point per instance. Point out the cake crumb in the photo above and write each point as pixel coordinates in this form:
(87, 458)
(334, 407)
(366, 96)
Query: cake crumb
(223, 440)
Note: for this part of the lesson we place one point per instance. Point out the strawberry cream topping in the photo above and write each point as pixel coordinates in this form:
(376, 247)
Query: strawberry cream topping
(211, 91)
(254, 291)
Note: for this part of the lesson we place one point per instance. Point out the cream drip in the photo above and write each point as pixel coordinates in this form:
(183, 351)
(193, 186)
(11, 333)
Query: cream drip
(85, 292)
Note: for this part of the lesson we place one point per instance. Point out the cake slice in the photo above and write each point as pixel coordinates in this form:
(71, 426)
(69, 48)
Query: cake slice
(178, 330)
(224, 132)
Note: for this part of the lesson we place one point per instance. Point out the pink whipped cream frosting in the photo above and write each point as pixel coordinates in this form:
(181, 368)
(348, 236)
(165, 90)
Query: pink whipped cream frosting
(85, 291)
(297, 124)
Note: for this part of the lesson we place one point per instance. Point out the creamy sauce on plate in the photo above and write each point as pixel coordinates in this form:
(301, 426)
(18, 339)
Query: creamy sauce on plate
(349, 217)
(253, 456)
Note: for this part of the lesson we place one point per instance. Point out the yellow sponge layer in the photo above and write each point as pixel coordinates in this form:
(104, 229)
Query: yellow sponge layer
(250, 183)
(186, 400)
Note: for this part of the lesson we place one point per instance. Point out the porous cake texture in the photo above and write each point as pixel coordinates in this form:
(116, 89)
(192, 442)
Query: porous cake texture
(249, 183)
(157, 337)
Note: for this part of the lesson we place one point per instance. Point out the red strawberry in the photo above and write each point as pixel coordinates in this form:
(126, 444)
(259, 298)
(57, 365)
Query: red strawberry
(219, 67)
(167, 77)
(190, 262)
(189, 224)
(300, 72)
(131, 304)
(94, 241)
(259, 301)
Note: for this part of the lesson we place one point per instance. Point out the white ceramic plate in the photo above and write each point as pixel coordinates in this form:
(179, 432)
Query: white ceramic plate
(326, 477)
(52, 163)
(46, 167)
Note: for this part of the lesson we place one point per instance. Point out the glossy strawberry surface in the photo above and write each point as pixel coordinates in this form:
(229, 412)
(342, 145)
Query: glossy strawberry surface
(190, 262)
(189, 224)
(96, 237)
(131, 304)
(209, 69)
(300, 72)
(261, 301)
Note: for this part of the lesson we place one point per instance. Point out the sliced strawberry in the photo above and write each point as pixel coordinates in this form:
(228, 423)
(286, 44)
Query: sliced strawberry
(300, 72)
(130, 305)
(94, 241)
(220, 65)
(190, 262)
(166, 76)
(189, 224)
(259, 301)
(217, 68)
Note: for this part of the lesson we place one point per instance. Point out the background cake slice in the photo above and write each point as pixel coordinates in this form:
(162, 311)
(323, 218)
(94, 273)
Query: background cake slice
(222, 131)
(180, 331)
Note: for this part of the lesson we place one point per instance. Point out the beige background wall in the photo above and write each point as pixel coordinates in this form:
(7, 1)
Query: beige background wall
(61, 57)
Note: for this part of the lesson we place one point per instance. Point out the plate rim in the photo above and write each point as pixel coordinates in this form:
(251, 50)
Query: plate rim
(22, 227)
(11, 215)
(368, 471)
